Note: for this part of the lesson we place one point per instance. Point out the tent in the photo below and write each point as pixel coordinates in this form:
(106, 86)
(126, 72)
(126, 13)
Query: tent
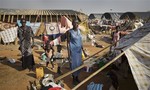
(128, 15)
(136, 47)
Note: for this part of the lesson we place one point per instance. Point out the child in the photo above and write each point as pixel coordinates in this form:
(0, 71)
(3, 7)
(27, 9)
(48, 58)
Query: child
(59, 58)
(49, 53)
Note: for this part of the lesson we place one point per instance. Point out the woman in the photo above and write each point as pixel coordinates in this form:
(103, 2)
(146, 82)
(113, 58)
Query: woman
(75, 49)
(116, 36)
(25, 34)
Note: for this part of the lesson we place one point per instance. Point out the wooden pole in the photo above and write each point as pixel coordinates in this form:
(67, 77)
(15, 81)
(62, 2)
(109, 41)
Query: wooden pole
(51, 17)
(3, 17)
(30, 18)
(8, 18)
(41, 18)
(46, 19)
(22, 16)
(99, 70)
(17, 17)
(76, 16)
(57, 17)
(0, 17)
(36, 18)
(12, 18)
(78, 68)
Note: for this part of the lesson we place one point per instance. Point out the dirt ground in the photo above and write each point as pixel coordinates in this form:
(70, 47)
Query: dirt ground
(12, 77)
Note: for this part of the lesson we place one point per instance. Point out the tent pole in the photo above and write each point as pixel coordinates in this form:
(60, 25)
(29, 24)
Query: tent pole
(36, 18)
(51, 18)
(41, 18)
(0, 17)
(8, 18)
(3, 17)
(76, 17)
(17, 17)
(70, 17)
(46, 19)
(99, 70)
(12, 18)
(22, 16)
(30, 18)
(78, 68)
(57, 17)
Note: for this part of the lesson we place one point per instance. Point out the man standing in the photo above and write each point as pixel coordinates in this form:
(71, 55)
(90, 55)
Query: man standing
(25, 34)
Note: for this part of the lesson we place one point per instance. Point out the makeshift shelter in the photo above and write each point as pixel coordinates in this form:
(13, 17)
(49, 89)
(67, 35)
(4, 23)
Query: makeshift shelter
(95, 16)
(106, 16)
(136, 47)
(12, 15)
(145, 16)
(128, 15)
(111, 15)
(38, 18)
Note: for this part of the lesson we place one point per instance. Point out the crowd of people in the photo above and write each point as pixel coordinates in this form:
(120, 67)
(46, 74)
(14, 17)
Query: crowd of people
(75, 48)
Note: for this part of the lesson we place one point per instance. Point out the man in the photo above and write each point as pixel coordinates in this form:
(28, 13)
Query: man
(25, 34)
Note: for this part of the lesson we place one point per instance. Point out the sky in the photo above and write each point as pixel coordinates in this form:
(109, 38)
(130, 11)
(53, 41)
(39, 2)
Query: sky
(85, 6)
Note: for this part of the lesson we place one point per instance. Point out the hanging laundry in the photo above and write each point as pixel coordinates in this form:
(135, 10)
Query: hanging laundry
(9, 35)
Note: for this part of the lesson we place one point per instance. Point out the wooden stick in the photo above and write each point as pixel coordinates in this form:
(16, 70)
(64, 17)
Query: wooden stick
(46, 19)
(41, 18)
(106, 65)
(12, 18)
(17, 17)
(3, 17)
(0, 17)
(51, 18)
(78, 68)
(30, 18)
(36, 18)
(8, 18)
(57, 17)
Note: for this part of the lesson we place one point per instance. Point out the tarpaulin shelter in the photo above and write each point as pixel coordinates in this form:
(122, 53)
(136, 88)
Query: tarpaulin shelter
(37, 15)
(136, 47)
(111, 15)
(128, 15)
(95, 16)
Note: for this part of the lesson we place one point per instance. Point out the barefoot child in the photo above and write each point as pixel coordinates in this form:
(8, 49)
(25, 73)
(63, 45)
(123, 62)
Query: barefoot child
(49, 53)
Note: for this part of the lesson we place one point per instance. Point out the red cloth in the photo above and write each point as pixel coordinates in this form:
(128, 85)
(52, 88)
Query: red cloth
(63, 21)
(55, 88)
(45, 38)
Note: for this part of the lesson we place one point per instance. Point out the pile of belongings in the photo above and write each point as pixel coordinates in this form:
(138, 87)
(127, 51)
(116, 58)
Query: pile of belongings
(47, 83)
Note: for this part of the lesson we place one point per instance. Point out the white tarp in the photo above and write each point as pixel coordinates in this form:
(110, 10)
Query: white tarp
(35, 27)
(9, 35)
(137, 49)
(139, 60)
(52, 28)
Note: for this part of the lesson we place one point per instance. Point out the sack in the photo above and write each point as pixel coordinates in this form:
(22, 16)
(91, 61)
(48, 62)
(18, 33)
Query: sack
(93, 86)
(39, 72)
